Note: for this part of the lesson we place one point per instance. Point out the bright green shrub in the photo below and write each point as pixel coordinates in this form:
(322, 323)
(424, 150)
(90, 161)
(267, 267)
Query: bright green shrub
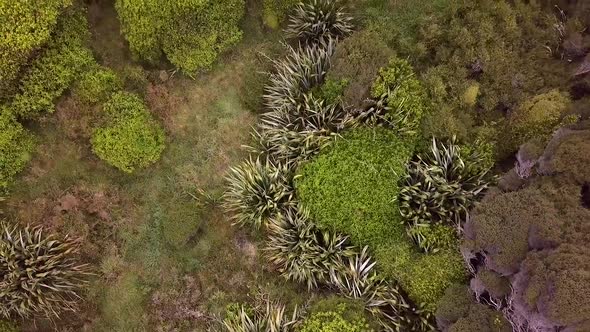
(190, 33)
(25, 27)
(59, 65)
(275, 12)
(131, 138)
(334, 321)
(351, 188)
(97, 85)
(539, 116)
(403, 93)
(16, 146)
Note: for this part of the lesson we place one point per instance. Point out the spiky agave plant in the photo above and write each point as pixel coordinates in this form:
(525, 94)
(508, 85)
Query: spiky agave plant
(301, 251)
(39, 273)
(302, 69)
(319, 20)
(289, 136)
(270, 318)
(441, 187)
(257, 191)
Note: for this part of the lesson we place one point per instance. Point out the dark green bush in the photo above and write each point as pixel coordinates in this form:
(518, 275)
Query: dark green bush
(358, 59)
(56, 68)
(26, 26)
(331, 91)
(97, 85)
(131, 138)
(16, 146)
(351, 188)
(190, 34)
(457, 311)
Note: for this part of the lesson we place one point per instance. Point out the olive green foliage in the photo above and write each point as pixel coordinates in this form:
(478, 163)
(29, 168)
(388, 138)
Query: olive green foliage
(258, 191)
(331, 91)
(403, 94)
(301, 251)
(26, 27)
(458, 312)
(487, 56)
(538, 237)
(275, 12)
(191, 34)
(6, 326)
(318, 21)
(97, 85)
(440, 188)
(40, 273)
(352, 187)
(358, 59)
(16, 146)
(539, 117)
(58, 66)
(334, 321)
(131, 138)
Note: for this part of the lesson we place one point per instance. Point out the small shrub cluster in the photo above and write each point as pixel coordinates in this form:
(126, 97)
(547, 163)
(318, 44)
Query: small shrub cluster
(97, 85)
(539, 117)
(40, 275)
(26, 27)
(190, 34)
(403, 96)
(59, 65)
(16, 146)
(440, 188)
(333, 321)
(319, 21)
(130, 139)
